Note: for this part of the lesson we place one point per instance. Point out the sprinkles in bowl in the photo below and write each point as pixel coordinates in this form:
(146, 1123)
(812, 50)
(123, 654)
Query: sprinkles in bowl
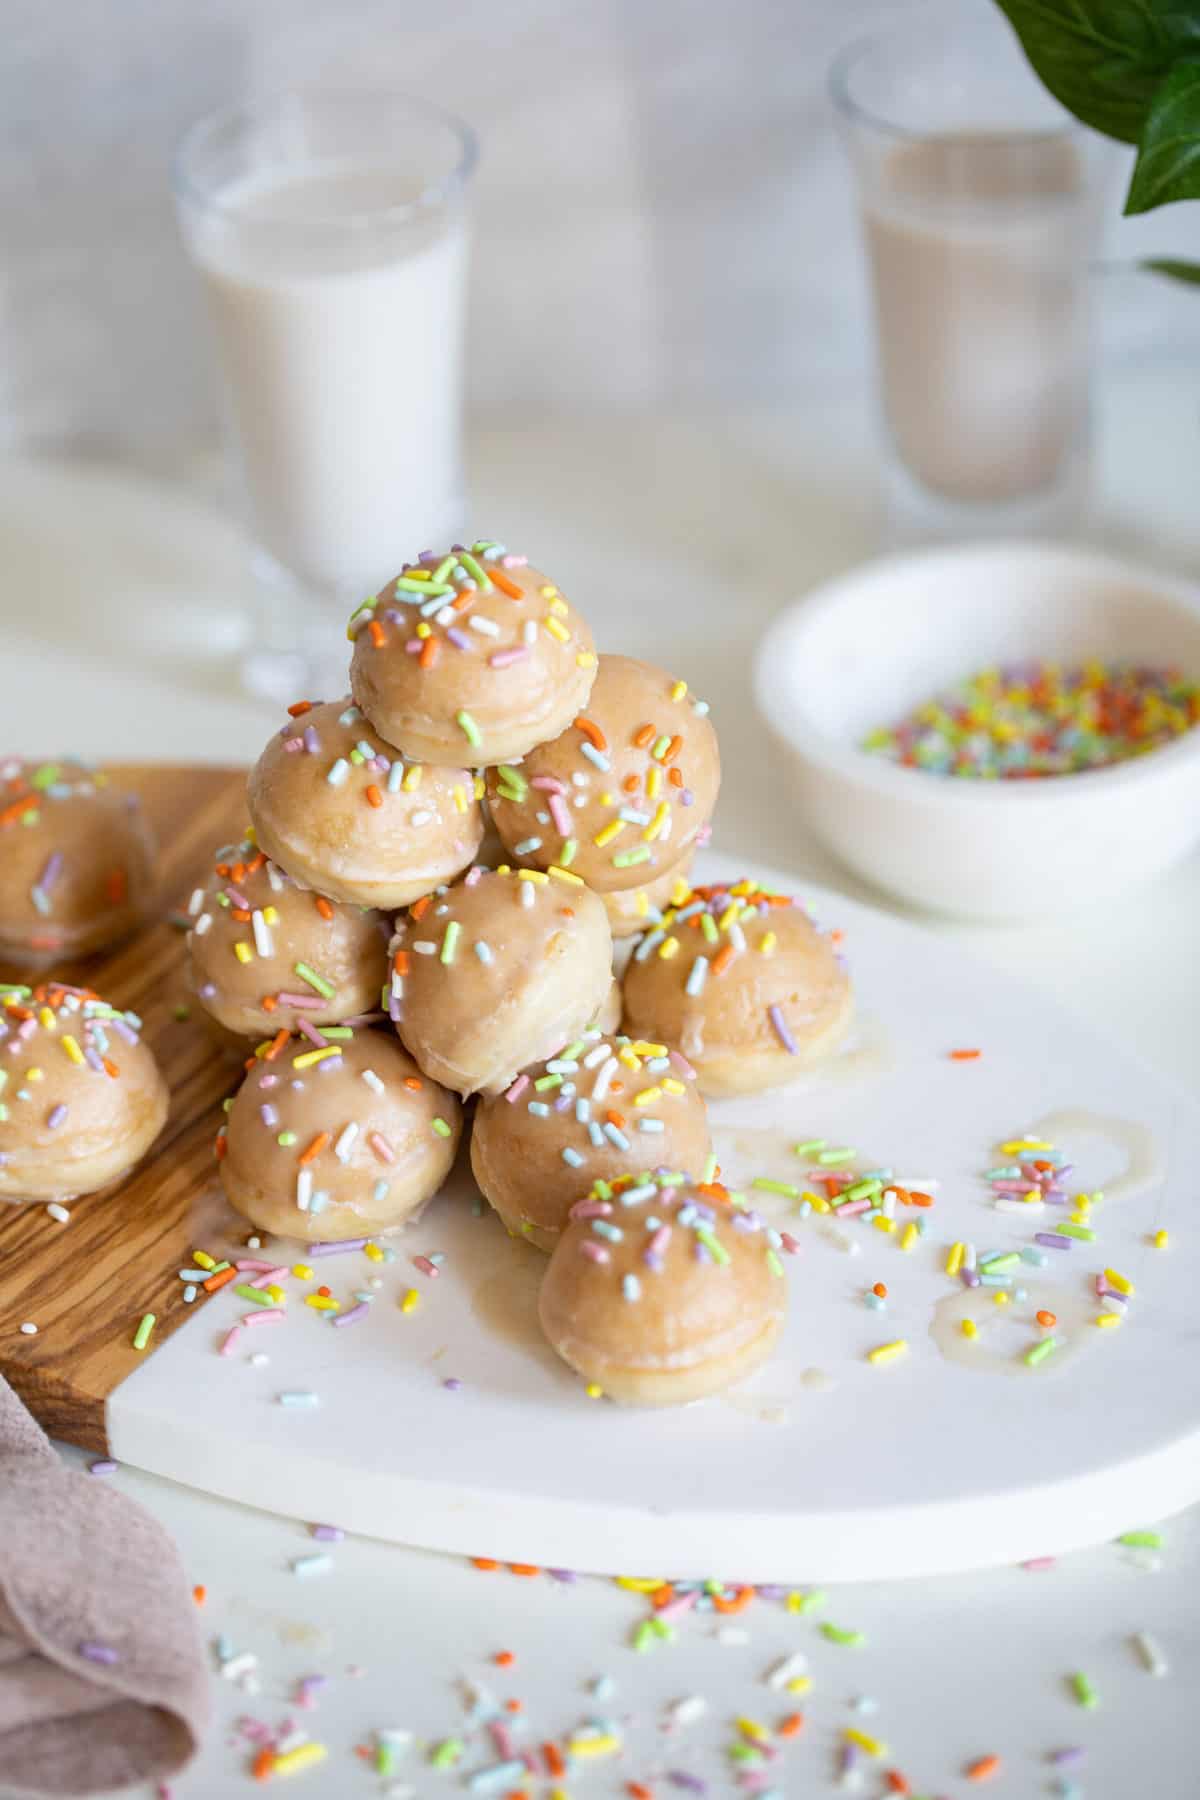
(1025, 721)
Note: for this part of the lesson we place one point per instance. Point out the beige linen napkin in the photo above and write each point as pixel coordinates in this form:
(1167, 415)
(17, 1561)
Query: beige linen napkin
(102, 1675)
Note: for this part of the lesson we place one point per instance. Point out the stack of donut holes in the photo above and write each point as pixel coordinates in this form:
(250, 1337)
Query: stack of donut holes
(422, 917)
(418, 925)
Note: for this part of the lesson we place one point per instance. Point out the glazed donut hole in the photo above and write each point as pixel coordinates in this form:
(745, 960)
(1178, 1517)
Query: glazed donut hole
(662, 1291)
(498, 972)
(336, 1140)
(625, 793)
(81, 1095)
(744, 983)
(472, 655)
(264, 952)
(347, 815)
(76, 861)
(605, 1107)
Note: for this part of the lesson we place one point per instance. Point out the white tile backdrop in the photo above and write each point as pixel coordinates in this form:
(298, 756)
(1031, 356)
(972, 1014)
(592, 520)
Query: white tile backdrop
(662, 215)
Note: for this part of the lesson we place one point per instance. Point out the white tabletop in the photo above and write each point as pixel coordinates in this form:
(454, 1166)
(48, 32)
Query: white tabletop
(958, 1668)
(680, 538)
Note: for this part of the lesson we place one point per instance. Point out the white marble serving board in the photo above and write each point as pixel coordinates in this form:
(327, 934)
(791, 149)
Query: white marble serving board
(821, 1466)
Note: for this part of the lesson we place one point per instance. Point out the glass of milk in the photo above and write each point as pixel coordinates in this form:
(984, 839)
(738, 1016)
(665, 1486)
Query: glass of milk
(981, 204)
(329, 230)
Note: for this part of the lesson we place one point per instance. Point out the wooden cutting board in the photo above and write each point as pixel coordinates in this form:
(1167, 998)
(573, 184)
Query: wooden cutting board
(87, 1284)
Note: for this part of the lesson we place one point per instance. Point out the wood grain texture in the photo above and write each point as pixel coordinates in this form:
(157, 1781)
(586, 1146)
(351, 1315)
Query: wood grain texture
(86, 1284)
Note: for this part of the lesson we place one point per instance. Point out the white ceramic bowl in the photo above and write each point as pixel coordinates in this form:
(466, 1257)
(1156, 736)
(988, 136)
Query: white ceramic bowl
(862, 650)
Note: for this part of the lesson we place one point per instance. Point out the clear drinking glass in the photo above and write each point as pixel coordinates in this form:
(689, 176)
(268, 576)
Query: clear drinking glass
(329, 230)
(981, 204)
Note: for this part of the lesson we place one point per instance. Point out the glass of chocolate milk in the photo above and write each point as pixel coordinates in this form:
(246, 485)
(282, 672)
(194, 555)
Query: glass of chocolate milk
(981, 203)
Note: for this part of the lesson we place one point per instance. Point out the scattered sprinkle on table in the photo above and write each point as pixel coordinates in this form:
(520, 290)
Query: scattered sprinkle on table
(1084, 1691)
(836, 1634)
(317, 1563)
(302, 1757)
(983, 1768)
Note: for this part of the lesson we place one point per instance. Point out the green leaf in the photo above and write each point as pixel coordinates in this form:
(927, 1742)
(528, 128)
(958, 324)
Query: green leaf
(1106, 60)
(1168, 162)
(1174, 268)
